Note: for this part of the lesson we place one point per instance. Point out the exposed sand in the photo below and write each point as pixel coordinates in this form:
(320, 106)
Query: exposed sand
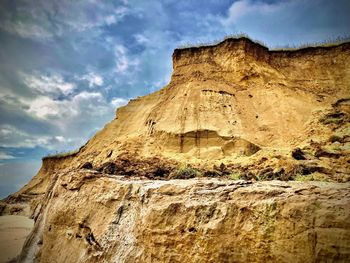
(13, 232)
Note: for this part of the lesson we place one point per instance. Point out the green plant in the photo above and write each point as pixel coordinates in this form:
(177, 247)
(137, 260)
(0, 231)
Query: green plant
(325, 43)
(185, 172)
(235, 176)
(58, 155)
(332, 121)
(217, 41)
(336, 147)
(311, 177)
(304, 178)
(317, 205)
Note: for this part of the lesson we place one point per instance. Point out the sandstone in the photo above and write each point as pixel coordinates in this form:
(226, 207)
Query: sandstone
(110, 219)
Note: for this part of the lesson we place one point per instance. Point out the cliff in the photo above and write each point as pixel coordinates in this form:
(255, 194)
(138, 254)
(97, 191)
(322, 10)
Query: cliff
(234, 110)
(234, 91)
(89, 217)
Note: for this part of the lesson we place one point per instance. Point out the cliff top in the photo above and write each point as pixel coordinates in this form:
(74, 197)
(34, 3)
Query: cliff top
(259, 45)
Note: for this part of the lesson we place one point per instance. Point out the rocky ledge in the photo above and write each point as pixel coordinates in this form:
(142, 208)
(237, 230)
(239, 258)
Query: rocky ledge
(86, 216)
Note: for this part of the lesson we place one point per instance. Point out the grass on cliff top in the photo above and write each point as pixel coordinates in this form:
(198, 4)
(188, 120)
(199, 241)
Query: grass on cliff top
(326, 43)
(59, 155)
(217, 41)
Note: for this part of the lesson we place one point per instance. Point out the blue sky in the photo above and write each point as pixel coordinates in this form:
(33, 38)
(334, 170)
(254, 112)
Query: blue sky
(66, 65)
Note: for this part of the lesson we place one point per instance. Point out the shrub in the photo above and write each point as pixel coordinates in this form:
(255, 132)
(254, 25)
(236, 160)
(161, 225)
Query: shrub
(185, 173)
(312, 177)
(304, 178)
(332, 121)
(235, 176)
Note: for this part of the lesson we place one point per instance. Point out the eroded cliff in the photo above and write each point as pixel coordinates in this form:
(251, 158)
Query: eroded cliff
(231, 111)
(92, 217)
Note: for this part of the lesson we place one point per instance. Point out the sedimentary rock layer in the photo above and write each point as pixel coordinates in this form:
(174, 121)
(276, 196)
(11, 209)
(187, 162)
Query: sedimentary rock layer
(89, 217)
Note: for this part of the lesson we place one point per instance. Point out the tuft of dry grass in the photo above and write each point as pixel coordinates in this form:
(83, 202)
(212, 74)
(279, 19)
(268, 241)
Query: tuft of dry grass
(217, 41)
(59, 155)
(326, 43)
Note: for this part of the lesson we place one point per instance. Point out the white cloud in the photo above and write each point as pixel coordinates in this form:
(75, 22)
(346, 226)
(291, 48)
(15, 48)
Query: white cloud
(141, 39)
(121, 11)
(35, 21)
(60, 138)
(117, 102)
(44, 107)
(87, 99)
(48, 84)
(123, 61)
(10, 136)
(161, 82)
(117, 15)
(93, 79)
(21, 139)
(242, 8)
(5, 156)
(69, 120)
(111, 19)
(26, 30)
(237, 9)
(15, 138)
(61, 111)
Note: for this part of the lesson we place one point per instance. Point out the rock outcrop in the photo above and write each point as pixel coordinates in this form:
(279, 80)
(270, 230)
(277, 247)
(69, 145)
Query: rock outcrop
(89, 217)
(231, 111)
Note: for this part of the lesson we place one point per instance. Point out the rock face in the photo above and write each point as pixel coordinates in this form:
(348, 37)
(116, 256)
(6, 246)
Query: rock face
(234, 91)
(235, 103)
(89, 217)
(237, 89)
(234, 110)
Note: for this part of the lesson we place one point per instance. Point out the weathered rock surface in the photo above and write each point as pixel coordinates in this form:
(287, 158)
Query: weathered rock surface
(224, 100)
(92, 217)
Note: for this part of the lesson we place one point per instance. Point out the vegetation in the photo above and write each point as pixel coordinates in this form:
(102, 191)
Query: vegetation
(311, 177)
(58, 155)
(217, 41)
(186, 172)
(332, 121)
(335, 138)
(235, 176)
(326, 43)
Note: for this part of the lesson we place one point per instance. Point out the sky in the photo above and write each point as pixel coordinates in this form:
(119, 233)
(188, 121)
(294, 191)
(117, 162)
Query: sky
(65, 66)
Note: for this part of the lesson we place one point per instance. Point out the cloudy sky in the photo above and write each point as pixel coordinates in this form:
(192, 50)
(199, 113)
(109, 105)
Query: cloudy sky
(67, 65)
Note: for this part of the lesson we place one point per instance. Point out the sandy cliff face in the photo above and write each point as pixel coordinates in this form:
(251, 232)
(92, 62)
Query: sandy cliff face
(89, 217)
(237, 90)
(235, 103)
(233, 110)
